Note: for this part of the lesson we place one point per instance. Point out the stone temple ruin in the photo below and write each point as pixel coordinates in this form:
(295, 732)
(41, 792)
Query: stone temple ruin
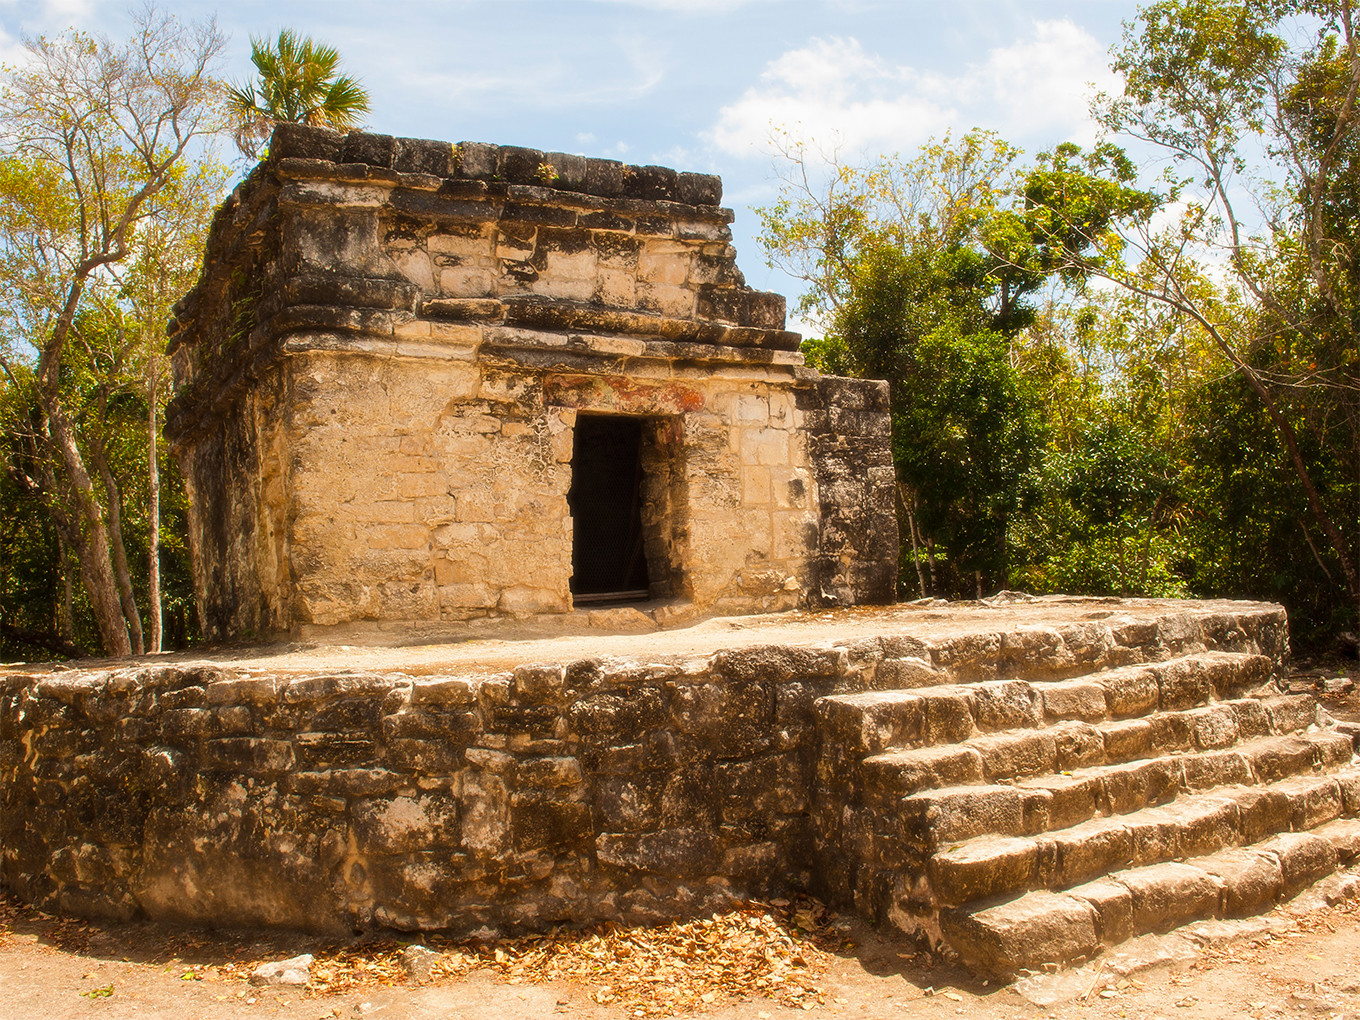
(423, 384)
(393, 376)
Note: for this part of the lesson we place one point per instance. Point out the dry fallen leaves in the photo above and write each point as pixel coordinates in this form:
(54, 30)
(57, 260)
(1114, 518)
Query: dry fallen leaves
(776, 950)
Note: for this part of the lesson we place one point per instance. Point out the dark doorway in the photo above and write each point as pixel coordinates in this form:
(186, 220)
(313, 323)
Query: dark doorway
(608, 556)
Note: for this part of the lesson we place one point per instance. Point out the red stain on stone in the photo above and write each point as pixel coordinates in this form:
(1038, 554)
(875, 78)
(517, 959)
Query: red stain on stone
(620, 394)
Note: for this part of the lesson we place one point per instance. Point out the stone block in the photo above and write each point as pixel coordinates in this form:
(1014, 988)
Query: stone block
(1073, 699)
(873, 721)
(549, 771)
(251, 690)
(953, 814)
(897, 773)
(1215, 768)
(1172, 731)
(1274, 758)
(543, 820)
(1252, 881)
(1168, 895)
(1140, 784)
(1127, 739)
(983, 868)
(906, 673)
(428, 821)
(1113, 904)
(1037, 928)
(1072, 798)
(1130, 691)
(1260, 812)
(539, 682)
(678, 853)
(1330, 748)
(1207, 824)
(1082, 852)
(312, 689)
(443, 691)
(362, 147)
(1312, 800)
(248, 755)
(1252, 718)
(1349, 782)
(755, 861)
(1214, 728)
(628, 803)
(1183, 684)
(302, 141)
(1005, 705)
(1077, 745)
(1304, 858)
(423, 156)
(1344, 835)
(1015, 755)
(699, 189)
(1156, 835)
(1290, 712)
(948, 714)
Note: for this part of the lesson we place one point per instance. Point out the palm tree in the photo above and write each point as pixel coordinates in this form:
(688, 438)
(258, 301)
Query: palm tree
(298, 84)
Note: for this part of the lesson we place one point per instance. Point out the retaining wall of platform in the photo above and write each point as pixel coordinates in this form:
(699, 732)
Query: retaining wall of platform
(595, 789)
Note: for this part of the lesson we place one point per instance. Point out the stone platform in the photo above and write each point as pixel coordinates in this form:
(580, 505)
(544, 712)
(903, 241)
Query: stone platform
(1026, 780)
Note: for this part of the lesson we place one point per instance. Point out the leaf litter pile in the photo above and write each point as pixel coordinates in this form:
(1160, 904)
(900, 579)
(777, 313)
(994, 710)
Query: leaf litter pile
(777, 950)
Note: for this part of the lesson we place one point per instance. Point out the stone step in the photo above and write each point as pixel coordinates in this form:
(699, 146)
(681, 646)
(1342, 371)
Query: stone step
(999, 940)
(1069, 745)
(870, 722)
(929, 819)
(990, 866)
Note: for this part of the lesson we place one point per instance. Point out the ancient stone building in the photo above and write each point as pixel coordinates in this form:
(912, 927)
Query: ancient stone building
(421, 384)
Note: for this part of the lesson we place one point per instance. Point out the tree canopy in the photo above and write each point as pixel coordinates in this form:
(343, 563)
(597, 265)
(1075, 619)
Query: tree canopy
(297, 81)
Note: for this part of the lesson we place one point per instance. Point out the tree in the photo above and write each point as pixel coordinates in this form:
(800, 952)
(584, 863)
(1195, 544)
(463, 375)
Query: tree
(297, 83)
(1261, 132)
(925, 273)
(92, 172)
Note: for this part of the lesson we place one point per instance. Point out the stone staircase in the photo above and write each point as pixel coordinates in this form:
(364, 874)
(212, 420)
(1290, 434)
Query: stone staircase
(1030, 823)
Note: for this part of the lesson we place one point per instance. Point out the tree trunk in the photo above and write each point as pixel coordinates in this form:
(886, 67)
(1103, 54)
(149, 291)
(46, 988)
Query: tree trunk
(909, 508)
(126, 598)
(153, 516)
(96, 566)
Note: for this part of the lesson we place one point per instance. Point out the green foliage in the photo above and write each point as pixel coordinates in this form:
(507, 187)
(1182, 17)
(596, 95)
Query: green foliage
(297, 81)
(100, 231)
(926, 273)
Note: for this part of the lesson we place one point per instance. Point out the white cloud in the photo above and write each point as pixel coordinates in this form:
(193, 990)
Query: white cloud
(835, 92)
(1042, 85)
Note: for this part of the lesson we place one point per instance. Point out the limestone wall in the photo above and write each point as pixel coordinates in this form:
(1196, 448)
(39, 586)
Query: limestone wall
(636, 789)
(379, 374)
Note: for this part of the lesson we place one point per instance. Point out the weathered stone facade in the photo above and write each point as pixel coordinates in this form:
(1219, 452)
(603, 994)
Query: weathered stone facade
(381, 372)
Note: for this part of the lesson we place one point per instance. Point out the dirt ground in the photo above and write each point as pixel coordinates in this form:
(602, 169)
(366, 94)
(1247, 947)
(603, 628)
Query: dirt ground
(62, 969)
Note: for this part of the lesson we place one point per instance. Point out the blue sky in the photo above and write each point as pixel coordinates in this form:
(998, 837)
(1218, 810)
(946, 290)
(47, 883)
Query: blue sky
(695, 84)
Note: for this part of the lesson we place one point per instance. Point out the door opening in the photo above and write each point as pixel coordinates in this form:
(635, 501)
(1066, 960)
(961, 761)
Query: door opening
(608, 551)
